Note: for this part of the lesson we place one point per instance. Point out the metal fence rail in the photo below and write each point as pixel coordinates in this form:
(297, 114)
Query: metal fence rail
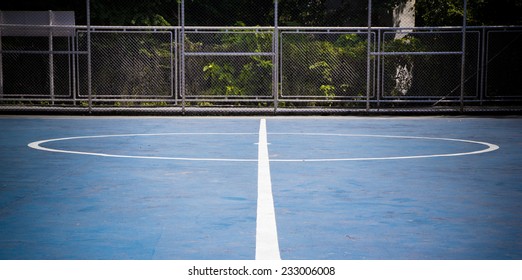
(261, 69)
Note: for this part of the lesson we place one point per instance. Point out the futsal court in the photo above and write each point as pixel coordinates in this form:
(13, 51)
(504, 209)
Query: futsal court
(244, 188)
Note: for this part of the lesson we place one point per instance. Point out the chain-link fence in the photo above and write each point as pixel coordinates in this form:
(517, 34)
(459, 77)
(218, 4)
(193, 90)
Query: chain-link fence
(233, 56)
(323, 65)
(131, 65)
(427, 64)
(502, 60)
(35, 57)
(228, 64)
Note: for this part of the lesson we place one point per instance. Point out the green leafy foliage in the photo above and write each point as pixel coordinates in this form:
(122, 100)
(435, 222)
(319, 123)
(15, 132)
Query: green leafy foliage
(291, 12)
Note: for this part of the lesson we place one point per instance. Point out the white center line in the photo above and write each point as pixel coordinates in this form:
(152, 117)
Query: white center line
(267, 245)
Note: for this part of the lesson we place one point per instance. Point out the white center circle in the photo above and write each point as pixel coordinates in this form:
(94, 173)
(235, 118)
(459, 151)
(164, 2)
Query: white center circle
(487, 147)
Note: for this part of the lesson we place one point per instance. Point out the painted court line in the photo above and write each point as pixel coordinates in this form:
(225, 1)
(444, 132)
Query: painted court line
(267, 245)
(490, 147)
(38, 145)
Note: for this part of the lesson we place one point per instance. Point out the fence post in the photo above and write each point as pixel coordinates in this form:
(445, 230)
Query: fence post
(483, 64)
(368, 58)
(1, 62)
(51, 57)
(463, 56)
(182, 56)
(89, 71)
(275, 72)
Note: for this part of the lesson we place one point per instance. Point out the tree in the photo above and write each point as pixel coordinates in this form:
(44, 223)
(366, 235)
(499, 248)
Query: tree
(228, 13)
(106, 12)
(134, 12)
(291, 12)
(335, 12)
(480, 12)
(302, 13)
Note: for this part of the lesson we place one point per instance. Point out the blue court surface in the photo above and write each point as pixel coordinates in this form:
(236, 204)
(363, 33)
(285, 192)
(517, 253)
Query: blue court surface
(293, 188)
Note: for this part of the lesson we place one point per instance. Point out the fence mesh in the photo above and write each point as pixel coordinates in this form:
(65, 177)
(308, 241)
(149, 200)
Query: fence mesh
(30, 68)
(431, 65)
(503, 63)
(326, 65)
(129, 65)
(228, 76)
(319, 59)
